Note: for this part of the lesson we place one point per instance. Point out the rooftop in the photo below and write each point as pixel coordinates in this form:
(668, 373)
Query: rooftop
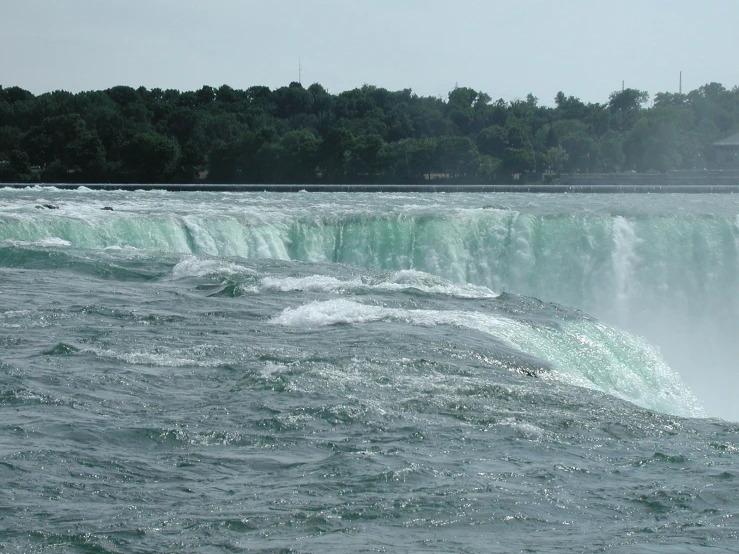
(733, 140)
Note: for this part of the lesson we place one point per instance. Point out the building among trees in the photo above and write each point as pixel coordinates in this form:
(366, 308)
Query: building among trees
(727, 152)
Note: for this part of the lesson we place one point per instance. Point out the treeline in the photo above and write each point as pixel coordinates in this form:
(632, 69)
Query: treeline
(306, 135)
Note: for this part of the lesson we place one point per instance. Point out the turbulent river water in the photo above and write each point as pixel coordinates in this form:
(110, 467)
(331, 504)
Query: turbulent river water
(224, 372)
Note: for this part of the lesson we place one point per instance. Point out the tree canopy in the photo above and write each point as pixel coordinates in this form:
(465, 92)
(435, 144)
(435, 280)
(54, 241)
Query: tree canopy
(294, 134)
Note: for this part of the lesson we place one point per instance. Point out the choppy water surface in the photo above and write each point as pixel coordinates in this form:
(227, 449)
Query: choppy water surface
(336, 372)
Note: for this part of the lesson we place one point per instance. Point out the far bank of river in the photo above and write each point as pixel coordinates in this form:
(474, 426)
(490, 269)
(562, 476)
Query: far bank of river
(692, 182)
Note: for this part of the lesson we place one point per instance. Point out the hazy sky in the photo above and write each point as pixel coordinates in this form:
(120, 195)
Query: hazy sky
(505, 48)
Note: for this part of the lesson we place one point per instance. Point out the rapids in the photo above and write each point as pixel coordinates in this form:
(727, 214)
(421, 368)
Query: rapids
(217, 372)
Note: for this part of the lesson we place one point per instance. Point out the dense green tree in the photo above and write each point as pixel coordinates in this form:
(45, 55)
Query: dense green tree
(334, 153)
(492, 140)
(298, 157)
(489, 168)
(554, 159)
(19, 163)
(611, 146)
(10, 138)
(627, 100)
(227, 95)
(149, 157)
(292, 100)
(363, 159)
(205, 96)
(517, 134)
(669, 99)
(577, 141)
(457, 157)
(15, 168)
(570, 107)
(368, 134)
(13, 95)
(517, 161)
(123, 96)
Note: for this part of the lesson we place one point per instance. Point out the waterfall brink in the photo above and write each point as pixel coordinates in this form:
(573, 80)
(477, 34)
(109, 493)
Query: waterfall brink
(669, 271)
(621, 268)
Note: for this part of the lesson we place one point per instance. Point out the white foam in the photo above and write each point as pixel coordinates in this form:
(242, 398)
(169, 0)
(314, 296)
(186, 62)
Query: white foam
(340, 311)
(409, 278)
(52, 241)
(525, 429)
(122, 248)
(587, 354)
(48, 242)
(332, 312)
(271, 369)
(197, 357)
(192, 266)
(399, 281)
(314, 283)
(623, 259)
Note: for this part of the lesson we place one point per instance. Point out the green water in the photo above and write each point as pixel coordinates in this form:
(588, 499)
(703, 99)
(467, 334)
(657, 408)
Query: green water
(337, 372)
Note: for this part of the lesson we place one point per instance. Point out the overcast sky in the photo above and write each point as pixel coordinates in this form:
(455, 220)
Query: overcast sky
(506, 48)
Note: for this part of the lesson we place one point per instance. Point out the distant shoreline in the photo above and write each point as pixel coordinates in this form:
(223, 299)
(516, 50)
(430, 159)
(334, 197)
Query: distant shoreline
(367, 135)
(556, 188)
